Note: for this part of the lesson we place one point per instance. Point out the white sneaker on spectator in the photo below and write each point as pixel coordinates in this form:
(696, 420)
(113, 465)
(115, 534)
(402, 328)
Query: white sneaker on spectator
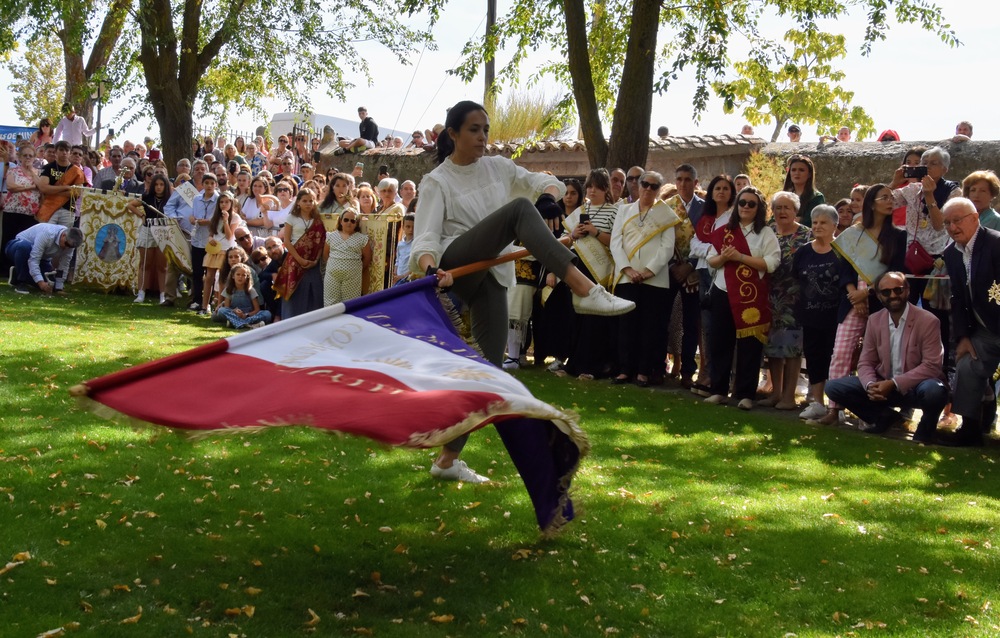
(601, 302)
(717, 399)
(458, 471)
(259, 324)
(511, 364)
(745, 404)
(141, 297)
(814, 411)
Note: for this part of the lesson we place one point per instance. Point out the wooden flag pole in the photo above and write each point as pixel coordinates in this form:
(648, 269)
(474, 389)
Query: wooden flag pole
(485, 264)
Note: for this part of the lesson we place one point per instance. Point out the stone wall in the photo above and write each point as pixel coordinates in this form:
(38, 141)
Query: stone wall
(840, 166)
(709, 155)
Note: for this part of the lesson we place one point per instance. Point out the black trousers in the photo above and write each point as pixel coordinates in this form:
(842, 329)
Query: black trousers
(722, 343)
(643, 333)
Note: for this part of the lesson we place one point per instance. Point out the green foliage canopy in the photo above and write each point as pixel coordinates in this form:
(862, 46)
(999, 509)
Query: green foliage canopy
(674, 37)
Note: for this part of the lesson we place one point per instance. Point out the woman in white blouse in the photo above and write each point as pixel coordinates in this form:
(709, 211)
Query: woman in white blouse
(642, 244)
(742, 253)
(472, 208)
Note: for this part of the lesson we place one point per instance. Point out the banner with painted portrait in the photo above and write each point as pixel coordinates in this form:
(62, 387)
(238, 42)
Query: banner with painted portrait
(108, 257)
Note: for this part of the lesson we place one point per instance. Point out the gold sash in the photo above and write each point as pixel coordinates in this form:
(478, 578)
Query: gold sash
(682, 242)
(594, 254)
(640, 229)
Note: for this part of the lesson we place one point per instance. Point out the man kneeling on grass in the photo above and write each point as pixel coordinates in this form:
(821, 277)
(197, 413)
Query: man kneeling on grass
(900, 365)
(40, 249)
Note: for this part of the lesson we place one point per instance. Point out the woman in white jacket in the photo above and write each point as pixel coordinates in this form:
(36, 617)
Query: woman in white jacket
(642, 244)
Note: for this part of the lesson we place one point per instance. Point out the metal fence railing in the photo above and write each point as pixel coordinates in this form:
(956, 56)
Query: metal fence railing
(201, 132)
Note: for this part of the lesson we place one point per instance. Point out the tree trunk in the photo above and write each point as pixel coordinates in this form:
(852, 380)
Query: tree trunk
(176, 122)
(779, 123)
(172, 78)
(78, 77)
(583, 83)
(634, 105)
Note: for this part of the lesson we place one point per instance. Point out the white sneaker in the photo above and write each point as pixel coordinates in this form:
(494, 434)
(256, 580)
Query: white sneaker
(511, 364)
(259, 324)
(555, 366)
(163, 297)
(601, 302)
(141, 297)
(717, 399)
(814, 411)
(458, 471)
(745, 404)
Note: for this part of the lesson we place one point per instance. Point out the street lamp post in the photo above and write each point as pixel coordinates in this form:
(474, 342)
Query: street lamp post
(99, 96)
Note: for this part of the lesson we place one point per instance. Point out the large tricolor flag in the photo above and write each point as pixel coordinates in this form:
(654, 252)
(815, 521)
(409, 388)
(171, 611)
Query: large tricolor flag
(389, 366)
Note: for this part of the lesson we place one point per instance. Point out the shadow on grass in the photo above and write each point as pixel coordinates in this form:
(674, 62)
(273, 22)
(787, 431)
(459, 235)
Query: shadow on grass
(692, 521)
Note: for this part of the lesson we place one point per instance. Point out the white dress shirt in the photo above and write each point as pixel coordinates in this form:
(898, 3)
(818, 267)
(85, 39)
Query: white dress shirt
(896, 343)
(73, 131)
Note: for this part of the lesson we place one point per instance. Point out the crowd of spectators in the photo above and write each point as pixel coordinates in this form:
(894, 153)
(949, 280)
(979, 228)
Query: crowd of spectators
(860, 295)
(880, 296)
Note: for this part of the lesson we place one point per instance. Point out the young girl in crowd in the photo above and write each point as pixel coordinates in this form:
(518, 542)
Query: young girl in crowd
(298, 282)
(348, 253)
(240, 302)
(236, 255)
(220, 230)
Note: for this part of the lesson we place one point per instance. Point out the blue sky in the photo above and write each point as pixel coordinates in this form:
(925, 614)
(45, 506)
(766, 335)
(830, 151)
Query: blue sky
(912, 83)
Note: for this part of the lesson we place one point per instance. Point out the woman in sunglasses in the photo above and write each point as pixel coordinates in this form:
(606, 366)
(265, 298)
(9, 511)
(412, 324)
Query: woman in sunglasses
(286, 191)
(642, 244)
(742, 254)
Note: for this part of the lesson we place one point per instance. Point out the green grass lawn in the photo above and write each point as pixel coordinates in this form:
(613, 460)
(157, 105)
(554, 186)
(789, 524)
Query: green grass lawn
(693, 520)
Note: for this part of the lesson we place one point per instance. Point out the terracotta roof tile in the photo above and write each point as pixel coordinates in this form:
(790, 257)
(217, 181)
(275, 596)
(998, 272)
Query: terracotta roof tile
(689, 142)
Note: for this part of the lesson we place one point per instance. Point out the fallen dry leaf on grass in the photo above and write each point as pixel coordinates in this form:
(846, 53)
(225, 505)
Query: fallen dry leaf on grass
(131, 620)
(444, 618)
(60, 631)
(313, 619)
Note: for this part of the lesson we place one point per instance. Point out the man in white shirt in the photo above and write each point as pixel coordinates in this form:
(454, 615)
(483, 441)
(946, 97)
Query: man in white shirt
(72, 128)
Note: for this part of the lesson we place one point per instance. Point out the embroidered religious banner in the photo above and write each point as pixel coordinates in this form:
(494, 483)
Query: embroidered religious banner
(383, 232)
(108, 257)
(166, 234)
(394, 357)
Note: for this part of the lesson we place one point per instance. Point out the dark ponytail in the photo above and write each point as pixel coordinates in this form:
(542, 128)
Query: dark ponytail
(453, 122)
